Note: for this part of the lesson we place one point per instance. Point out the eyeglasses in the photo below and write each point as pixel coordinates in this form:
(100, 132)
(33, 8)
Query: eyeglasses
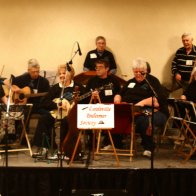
(99, 67)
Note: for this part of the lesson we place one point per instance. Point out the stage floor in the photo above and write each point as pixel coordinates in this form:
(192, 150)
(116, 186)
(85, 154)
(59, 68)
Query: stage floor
(166, 157)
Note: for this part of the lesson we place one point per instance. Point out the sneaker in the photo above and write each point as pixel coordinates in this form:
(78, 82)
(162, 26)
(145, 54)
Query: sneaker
(147, 153)
(56, 156)
(41, 152)
(108, 147)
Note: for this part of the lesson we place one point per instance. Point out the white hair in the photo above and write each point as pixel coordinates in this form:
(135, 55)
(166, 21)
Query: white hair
(187, 34)
(139, 63)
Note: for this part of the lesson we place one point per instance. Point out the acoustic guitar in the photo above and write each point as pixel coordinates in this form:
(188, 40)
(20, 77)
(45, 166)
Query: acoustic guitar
(22, 96)
(61, 113)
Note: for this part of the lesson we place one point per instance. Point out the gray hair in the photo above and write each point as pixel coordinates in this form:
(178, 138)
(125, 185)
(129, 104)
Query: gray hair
(139, 63)
(33, 63)
(187, 34)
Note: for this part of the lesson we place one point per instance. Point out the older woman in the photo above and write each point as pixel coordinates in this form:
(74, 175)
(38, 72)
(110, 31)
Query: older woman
(56, 105)
(137, 91)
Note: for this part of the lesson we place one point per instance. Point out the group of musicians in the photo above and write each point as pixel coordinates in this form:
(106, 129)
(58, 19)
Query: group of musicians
(142, 90)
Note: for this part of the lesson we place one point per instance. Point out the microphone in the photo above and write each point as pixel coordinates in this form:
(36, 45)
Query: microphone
(142, 73)
(68, 67)
(79, 50)
(44, 74)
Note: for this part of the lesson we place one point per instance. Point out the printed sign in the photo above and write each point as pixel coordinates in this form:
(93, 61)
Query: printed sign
(95, 116)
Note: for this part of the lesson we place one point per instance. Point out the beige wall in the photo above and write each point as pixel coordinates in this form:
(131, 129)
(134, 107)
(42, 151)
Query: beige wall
(47, 29)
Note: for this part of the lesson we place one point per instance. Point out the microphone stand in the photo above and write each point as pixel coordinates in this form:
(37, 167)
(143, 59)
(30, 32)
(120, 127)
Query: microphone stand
(71, 60)
(6, 133)
(60, 153)
(154, 95)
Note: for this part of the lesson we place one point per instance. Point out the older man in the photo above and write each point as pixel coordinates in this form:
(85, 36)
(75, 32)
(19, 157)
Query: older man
(31, 79)
(138, 91)
(100, 53)
(183, 62)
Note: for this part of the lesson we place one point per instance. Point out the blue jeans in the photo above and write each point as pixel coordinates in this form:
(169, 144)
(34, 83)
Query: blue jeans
(142, 124)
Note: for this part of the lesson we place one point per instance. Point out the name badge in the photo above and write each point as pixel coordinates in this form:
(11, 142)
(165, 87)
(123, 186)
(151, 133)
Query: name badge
(35, 91)
(108, 92)
(189, 62)
(131, 85)
(93, 56)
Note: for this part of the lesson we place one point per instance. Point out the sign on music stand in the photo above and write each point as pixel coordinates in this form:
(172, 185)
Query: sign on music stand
(95, 116)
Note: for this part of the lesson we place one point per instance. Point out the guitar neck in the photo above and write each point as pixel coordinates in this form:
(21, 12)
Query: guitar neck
(35, 95)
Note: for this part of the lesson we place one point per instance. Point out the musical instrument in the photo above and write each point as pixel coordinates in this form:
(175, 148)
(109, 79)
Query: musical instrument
(22, 96)
(146, 110)
(61, 113)
(68, 143)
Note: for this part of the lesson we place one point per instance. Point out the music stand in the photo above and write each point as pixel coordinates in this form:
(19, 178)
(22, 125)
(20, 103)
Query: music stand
(16, 113)
(95, 131)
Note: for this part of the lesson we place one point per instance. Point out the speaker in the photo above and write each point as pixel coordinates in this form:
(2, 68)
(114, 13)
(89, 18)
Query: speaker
(99, 192)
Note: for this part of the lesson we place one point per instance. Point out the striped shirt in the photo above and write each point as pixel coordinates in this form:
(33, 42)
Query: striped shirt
(183, 63)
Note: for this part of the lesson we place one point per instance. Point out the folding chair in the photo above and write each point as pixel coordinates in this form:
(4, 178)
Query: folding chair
(124, 124)
(188, 128)
(171, 123)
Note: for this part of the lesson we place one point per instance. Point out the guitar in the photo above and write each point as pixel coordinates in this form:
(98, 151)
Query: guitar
(61, 113)
(22, 96)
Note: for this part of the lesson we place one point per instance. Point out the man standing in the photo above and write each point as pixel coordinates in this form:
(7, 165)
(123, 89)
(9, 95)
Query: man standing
(183, 62)
(100, 53)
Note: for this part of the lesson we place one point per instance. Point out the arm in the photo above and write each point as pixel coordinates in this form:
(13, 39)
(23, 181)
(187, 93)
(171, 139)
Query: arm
(148, 102)
(117, 99)
(174, 68)
(4, 99)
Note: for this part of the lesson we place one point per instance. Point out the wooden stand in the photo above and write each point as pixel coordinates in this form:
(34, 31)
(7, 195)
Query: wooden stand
(94, 99)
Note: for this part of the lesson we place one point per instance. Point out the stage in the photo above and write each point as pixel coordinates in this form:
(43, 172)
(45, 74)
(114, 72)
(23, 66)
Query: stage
(27, 176)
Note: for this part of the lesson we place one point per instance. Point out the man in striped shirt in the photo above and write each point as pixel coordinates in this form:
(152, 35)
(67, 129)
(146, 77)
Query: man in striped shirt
(183, 62)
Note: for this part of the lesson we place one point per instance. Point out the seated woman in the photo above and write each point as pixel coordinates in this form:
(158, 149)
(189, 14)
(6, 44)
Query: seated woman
(56, 105)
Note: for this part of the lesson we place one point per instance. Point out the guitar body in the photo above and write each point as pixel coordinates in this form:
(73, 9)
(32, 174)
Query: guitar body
(61, 113)
(22, 96)
(15, 97)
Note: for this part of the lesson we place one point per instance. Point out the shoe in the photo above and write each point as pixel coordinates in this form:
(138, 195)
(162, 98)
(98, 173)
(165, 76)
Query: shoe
(41, 153)
(56, 156)
(108, 147)
(147, 153)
